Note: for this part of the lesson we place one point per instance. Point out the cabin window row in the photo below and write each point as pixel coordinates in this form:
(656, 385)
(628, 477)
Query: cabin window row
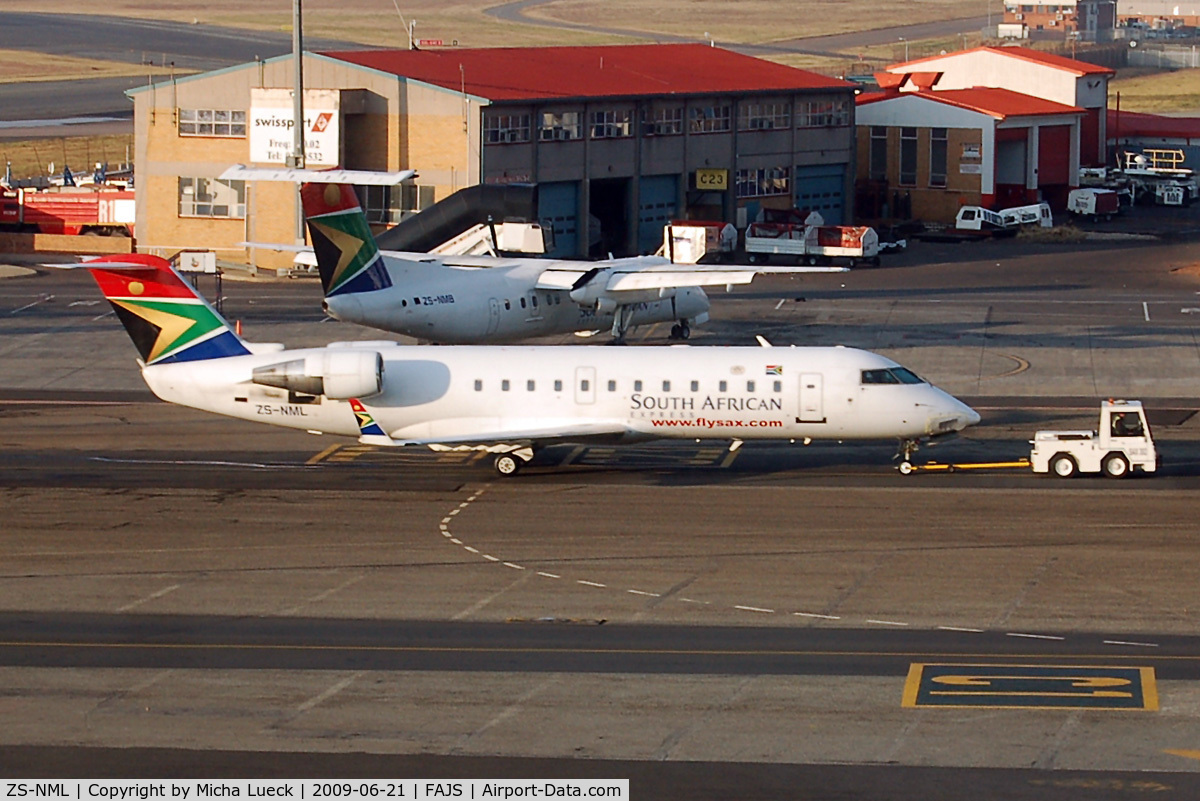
(585, 385)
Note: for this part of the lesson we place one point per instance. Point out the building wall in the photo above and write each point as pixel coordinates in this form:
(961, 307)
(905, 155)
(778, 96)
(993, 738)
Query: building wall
(973, 68)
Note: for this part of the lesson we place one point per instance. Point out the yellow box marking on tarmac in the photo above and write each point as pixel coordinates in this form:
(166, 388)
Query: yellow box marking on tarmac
(1030, 687)
(325, 454)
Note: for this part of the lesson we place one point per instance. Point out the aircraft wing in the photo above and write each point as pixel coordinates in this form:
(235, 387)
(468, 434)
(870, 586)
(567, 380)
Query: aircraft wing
(472, 432)
(631, 275)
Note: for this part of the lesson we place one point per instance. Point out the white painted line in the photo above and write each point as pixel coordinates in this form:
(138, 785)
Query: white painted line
(445, 533)
(957, 628)
(813, 614)
(329, 693)
(489, 557)
(1033, 636)
(102, 316)
(453, 512)
(639, 592)
(31, 305)
(1135, 644)
(780, 303)
(1146, 310)
(472, 550)
(514, 567)
(548, 575)
(455, 540)
(754, 609)
(694, 601)
(590, 583)
(887, 623)
(446, 521)
(149, 597)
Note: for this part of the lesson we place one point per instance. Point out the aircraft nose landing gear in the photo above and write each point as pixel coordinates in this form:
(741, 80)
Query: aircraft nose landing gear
(907, 448)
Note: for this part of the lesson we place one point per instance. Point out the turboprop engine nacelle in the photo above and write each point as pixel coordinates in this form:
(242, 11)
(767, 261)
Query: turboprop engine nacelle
(336, 374)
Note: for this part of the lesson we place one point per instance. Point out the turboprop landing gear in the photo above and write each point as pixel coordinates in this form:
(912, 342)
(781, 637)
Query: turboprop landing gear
(622, 317)
(681, 330)
(907, 448)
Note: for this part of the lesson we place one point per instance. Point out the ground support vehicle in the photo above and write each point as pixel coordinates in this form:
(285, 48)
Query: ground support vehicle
(1096, 204)
(812, 244)
(1122, 443)
(70, 211)
(693, 241)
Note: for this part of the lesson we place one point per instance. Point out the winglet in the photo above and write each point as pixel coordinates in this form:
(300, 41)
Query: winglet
(370, 432)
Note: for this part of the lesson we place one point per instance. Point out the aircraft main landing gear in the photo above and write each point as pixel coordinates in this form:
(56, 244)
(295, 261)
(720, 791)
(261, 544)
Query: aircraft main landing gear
(681, 330)
(508, 464)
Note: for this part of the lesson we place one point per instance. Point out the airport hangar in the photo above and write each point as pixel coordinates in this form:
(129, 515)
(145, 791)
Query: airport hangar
(630, 135)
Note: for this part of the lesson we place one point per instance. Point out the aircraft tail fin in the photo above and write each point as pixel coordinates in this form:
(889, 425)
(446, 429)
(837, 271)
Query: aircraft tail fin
(167, 319)
(348, 259)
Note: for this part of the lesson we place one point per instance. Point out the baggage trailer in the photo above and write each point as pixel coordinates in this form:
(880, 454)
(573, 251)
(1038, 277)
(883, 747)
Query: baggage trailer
(812, 244)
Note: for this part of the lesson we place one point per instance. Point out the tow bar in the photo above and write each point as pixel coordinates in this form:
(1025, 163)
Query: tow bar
(907, 468)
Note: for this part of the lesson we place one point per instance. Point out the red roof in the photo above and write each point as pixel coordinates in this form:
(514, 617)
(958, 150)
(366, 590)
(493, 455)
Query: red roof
(1024, 53)
(532, 73)
(1133, 123)
(998, 103)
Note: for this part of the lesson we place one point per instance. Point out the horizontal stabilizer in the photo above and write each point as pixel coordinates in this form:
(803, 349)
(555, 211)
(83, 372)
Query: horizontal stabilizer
(240, 172)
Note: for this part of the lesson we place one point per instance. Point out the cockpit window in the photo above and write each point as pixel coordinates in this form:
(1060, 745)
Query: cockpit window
(907, 376)
(896, 375)
(879, 377)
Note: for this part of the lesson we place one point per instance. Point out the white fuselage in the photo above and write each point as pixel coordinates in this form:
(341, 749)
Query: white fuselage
(433, 299)
(483, 394)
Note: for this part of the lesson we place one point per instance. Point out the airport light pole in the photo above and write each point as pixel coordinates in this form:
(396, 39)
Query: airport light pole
(296, 160)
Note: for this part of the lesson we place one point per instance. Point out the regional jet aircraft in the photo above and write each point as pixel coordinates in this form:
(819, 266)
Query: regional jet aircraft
(484, 299)
(510, 401)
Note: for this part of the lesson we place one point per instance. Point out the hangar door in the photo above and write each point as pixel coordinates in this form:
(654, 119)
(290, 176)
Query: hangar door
(822, 188)
(558, 207)
(1054, 155)
(656, 207)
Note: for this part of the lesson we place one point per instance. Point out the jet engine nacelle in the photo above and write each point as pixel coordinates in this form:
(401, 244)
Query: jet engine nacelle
(336, 374)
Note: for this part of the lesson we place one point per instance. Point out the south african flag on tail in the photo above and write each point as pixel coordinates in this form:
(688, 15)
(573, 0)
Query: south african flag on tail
(166, 317)
(348, 259)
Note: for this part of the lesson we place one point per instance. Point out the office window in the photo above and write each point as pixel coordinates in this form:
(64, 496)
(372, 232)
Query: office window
(878, 154)
(612, 124)
(764, 116)
(212, 197)
(662, 122)
(560, 126)
(764, 182)
(500, 129)
(709, 119)
(212, 122)
(822, 113)
(938, 149)
(908, 156)
(390, 204)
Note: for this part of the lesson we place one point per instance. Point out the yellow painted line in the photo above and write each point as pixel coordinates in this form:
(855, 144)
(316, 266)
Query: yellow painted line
(1183, 753)
(423, 649)
(1022, 366)
(324, 454)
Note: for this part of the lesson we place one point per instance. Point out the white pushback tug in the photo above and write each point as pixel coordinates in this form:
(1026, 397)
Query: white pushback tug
(1121, 444)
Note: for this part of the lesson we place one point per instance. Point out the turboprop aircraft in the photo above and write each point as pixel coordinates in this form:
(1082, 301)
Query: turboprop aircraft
(485, 299)
(512, 400)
